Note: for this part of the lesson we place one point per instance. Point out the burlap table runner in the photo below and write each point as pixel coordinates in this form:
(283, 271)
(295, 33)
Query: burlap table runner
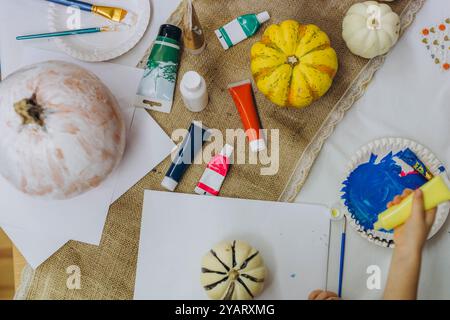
(108, 271)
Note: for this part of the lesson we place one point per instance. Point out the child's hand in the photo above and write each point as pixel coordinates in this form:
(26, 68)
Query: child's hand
(409, 238)
(412, 235)
(322, 295)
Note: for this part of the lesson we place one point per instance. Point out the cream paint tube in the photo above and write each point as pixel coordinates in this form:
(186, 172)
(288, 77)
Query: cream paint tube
(435, 192)
(245, 104)
(193, 35)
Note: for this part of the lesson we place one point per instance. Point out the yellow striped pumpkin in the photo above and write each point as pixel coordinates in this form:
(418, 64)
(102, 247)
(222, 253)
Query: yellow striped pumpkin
(233, 270)
(293, 65)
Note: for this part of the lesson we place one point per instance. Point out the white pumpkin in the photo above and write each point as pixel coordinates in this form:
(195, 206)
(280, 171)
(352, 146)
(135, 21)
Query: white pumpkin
(370, 29)
(61, 130)
(233, 271)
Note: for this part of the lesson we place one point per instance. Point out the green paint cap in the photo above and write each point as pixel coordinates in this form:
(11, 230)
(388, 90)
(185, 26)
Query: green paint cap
(170, 31)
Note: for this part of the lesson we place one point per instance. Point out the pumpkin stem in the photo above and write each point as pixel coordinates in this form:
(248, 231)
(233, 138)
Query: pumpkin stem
(30, 111)
(292, 60)
(233, 275)
(374, 23)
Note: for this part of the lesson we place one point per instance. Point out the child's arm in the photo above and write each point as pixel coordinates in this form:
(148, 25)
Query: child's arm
(409, 241)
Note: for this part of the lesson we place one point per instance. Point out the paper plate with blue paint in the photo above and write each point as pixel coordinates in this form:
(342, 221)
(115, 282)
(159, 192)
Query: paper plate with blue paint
(376, 175)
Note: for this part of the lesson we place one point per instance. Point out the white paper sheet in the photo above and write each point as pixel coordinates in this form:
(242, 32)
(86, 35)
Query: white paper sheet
(82, 218)
(178, 229)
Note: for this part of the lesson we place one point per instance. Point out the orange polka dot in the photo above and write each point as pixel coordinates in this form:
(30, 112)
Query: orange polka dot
(446, 66)
(425, 32)
(442, 27)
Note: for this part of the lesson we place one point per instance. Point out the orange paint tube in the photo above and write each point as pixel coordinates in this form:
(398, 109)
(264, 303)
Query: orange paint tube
(245, 103)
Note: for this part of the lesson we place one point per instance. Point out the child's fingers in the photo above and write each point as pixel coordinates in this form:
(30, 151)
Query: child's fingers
(324, 295)
(313, 295)
(399, 229)
(430, 216)
(417, 206)
(321, 295)
(332, 295)
(407, 192)
(398, 232)
(399, 198)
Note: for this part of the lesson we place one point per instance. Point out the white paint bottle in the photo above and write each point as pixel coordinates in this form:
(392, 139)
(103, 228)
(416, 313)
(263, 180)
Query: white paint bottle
(194, 92)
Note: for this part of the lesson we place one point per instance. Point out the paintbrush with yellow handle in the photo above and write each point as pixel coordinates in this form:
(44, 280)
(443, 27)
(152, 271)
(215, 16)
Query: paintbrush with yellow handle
(111, 13)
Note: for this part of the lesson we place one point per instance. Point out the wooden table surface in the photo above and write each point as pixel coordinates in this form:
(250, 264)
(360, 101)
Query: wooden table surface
(6, 268)
(19, 263)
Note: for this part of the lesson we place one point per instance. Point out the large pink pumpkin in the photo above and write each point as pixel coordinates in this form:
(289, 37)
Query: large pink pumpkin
(61, 130)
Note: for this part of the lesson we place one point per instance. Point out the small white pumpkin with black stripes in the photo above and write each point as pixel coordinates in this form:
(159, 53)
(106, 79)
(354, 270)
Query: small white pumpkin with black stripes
(233, 270)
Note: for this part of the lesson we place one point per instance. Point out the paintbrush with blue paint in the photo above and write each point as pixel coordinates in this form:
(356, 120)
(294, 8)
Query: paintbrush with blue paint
(342, 258)
(338, 215)
(112, 13)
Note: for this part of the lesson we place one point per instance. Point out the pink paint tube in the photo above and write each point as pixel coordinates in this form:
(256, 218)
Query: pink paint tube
(215, 173)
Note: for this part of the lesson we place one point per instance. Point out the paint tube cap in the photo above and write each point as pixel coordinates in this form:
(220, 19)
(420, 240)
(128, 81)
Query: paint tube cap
(170, 31)
(263, 17)
(227, 151)
(200, 191)
(257, 145)
(191, 81)
(169, 184)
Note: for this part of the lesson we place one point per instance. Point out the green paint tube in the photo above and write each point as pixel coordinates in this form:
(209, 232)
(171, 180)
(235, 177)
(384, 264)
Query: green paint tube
(240, 29)
(157, 86)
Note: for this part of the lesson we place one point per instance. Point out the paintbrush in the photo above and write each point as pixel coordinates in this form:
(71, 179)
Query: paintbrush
(69, 33)
(342, 258)
(111, 13)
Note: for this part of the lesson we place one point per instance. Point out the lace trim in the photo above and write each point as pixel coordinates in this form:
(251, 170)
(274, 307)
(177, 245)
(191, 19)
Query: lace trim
(353, 93)
(25, 283)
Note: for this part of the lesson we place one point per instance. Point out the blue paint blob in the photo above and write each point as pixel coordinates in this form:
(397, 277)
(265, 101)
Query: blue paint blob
(371, 186)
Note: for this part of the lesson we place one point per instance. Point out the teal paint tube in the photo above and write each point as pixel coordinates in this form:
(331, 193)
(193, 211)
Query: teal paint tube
(157, 86)
(240, 29)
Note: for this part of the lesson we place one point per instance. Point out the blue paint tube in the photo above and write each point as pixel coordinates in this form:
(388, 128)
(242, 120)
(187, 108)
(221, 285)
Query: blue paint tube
(410, 158)
(185, 156)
